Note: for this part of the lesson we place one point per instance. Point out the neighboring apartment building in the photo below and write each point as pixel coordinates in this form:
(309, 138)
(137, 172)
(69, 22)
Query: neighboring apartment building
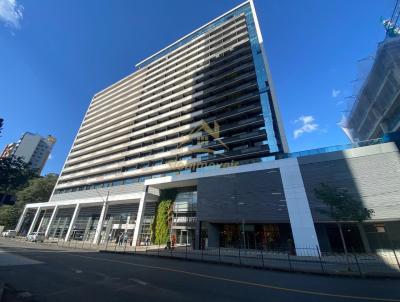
(199, 122)
(33, 148)
(8, 150)
(376, 110)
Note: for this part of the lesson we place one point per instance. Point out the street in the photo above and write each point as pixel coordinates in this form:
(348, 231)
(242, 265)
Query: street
(42, 273)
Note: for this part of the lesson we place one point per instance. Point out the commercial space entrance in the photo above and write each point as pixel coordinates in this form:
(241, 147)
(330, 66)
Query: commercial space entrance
(256, 236)
(184, 236)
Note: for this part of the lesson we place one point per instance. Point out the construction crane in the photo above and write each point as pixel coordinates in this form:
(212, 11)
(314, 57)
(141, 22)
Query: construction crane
(392, 29)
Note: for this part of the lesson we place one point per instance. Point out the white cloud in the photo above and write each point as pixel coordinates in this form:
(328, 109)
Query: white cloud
(307, 126)
(11, 13)
(335, 93)
(50, 156)
(305, 119)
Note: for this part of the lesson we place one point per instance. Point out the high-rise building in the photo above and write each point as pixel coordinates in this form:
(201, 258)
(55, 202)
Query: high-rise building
(32, 148)
(376, 110)
(154, 122)
(197, 124)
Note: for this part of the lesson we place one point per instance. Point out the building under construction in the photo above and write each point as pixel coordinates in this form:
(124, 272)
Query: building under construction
(376, 110)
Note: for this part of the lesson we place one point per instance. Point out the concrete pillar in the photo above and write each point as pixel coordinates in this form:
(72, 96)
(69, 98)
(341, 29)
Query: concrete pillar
(303, 229)
(71, 225)
(139, 218)
(21, 220)
(31, 228)
(52, 217)
(100, 223)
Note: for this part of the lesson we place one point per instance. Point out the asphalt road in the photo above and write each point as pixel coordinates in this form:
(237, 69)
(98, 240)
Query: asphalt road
(50, 274)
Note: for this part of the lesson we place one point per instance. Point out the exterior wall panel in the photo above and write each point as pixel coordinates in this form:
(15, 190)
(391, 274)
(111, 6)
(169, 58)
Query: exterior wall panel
(373, 178)
(253, 196)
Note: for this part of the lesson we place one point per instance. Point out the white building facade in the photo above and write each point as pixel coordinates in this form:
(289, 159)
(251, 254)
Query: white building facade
(34, 149)
(199, 117)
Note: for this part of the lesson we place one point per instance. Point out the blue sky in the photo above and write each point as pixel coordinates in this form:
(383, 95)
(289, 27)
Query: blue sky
(55, 55)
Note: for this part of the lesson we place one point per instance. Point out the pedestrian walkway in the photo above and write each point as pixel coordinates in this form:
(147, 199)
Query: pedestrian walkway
(383, 264)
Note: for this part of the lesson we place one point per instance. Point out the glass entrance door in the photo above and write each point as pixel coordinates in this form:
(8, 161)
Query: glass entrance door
(183, 237)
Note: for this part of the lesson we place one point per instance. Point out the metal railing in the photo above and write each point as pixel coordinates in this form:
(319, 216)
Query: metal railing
(383, 263)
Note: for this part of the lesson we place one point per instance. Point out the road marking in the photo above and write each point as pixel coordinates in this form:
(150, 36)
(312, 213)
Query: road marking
(24, 295)
(278, 288)
(139, 281)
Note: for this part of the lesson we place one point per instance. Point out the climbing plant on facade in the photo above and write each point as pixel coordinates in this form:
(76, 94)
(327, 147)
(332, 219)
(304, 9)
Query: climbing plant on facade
(162, 222)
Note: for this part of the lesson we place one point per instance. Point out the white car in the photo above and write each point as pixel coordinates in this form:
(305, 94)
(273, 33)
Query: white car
(9, 233)
(35, 237)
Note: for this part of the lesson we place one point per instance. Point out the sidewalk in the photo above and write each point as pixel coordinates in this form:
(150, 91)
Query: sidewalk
(382, 265)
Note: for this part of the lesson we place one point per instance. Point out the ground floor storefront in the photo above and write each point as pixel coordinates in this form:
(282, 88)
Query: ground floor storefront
(117, 223)
(90, 222)
(365, 237)
(359, 237)
(266, 236)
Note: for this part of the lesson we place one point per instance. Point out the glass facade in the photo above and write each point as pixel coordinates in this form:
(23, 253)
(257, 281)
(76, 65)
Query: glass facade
(258, 60)
(389, 137)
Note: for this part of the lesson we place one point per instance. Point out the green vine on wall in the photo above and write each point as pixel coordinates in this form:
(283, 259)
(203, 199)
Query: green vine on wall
(162, 222)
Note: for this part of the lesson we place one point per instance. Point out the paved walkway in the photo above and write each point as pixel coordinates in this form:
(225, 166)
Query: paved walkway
(363, 265)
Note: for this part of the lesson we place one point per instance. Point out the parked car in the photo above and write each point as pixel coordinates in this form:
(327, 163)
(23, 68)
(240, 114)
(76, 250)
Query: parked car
(9, 233)
(35, 237)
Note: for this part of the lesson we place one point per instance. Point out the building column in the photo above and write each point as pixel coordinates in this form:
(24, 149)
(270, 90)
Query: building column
(71, 225)
(34, 220)
(52, 217)
(301, 221)
(99, 228)
(139, 218)
(21, 220)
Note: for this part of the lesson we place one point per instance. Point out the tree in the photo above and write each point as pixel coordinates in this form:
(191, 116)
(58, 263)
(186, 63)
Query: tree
(9, 216)
(14, 173)
(1, 124)
(39, 189)
(342, 206)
